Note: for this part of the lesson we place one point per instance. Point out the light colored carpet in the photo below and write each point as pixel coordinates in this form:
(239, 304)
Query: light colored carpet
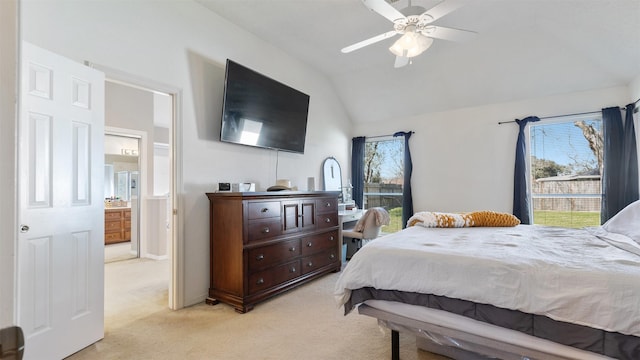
(119, 252)
(304, 323)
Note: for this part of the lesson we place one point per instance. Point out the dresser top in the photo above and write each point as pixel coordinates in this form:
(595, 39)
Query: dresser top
(272, 194)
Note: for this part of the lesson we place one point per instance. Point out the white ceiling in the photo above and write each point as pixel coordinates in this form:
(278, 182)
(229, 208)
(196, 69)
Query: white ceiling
(524, 49)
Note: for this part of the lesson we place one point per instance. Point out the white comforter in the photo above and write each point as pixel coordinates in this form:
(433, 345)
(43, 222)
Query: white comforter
(568, 275)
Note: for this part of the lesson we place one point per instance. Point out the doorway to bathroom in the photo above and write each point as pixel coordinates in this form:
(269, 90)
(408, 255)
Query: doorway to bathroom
(149, 110)
(138, 124)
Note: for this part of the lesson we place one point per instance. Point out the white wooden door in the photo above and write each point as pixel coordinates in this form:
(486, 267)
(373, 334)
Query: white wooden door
(61, 206)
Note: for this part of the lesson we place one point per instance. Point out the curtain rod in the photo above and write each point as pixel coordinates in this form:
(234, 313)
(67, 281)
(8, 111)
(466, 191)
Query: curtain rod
(575, 114)
(381, 136)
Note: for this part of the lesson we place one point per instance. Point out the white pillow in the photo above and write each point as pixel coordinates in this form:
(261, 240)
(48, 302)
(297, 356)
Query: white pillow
(626, 222)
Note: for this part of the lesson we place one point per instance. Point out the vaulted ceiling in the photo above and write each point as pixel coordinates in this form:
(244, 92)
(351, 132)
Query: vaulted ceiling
(523, 49)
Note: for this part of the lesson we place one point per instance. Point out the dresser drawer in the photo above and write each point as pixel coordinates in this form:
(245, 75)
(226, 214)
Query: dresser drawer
(316, 243)
(327, 205)
(263, 210)
(112, 225)
(264, 229)
(112, 215)
(317, 261)
(269, 255)
(327, 220)
(273, 276)
(111, 237)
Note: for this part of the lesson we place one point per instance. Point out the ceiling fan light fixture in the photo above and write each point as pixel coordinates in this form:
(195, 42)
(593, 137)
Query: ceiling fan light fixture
(411, 44)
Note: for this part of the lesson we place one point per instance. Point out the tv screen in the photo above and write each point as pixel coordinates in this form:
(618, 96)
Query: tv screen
(259, 111)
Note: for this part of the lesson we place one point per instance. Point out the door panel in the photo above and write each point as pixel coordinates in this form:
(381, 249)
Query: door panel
(81, 167)
(61, 212)
(308, 214)
(39, 285)
(80, 261)
(39, 160)
(290, 216)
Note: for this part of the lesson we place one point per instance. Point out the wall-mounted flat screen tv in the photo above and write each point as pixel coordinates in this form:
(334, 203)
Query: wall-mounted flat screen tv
(259, 111)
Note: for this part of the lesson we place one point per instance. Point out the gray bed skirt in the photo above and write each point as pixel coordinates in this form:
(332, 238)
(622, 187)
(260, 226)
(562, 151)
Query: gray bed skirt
(611, 344)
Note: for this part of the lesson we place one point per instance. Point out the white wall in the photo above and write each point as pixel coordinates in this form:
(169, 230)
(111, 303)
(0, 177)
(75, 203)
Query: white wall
(182, 44)
(634, 89)
(162, 119)
(463, 160)
(8, 94)
(161, 169)
(162, 111)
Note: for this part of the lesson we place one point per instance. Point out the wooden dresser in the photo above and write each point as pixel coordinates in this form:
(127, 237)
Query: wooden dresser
(117, 225)
(264, 243)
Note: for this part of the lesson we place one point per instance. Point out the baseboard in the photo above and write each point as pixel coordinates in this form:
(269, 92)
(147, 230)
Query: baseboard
(156, 257)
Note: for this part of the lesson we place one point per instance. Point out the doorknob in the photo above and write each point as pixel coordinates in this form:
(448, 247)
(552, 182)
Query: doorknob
(24, 228)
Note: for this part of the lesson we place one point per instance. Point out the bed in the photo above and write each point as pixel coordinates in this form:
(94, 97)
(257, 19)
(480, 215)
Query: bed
(519, 292)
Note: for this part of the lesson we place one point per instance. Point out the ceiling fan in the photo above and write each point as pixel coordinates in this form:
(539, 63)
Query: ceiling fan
(415, 25)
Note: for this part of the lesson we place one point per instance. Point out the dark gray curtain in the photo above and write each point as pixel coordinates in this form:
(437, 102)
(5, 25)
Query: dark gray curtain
(620, 170)
(612, 183)
(629, 159)
(521, 202)
(357, 169)
(407, 197)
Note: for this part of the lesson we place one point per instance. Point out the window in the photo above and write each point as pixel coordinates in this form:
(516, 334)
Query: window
(383, 178)
(566, 164)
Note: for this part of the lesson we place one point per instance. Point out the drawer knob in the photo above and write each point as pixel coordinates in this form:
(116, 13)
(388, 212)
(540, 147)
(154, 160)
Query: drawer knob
(327, 220)
(328, 204)
(292, 270)
(332, 256)
(265, 230)
(260, 281)
(292, 249)
(331, 238)
(260, 257)
(309, 244)
(264, 210)
(309, 264)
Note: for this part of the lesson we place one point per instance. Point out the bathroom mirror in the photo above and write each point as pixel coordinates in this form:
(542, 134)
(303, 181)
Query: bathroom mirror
(332, 175)
(108, 181)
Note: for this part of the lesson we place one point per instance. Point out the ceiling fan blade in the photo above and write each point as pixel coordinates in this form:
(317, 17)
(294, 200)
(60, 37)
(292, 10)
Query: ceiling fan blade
(384, 8)
(401, 61)
(369, 41)
(445, 33)
(443, 9)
